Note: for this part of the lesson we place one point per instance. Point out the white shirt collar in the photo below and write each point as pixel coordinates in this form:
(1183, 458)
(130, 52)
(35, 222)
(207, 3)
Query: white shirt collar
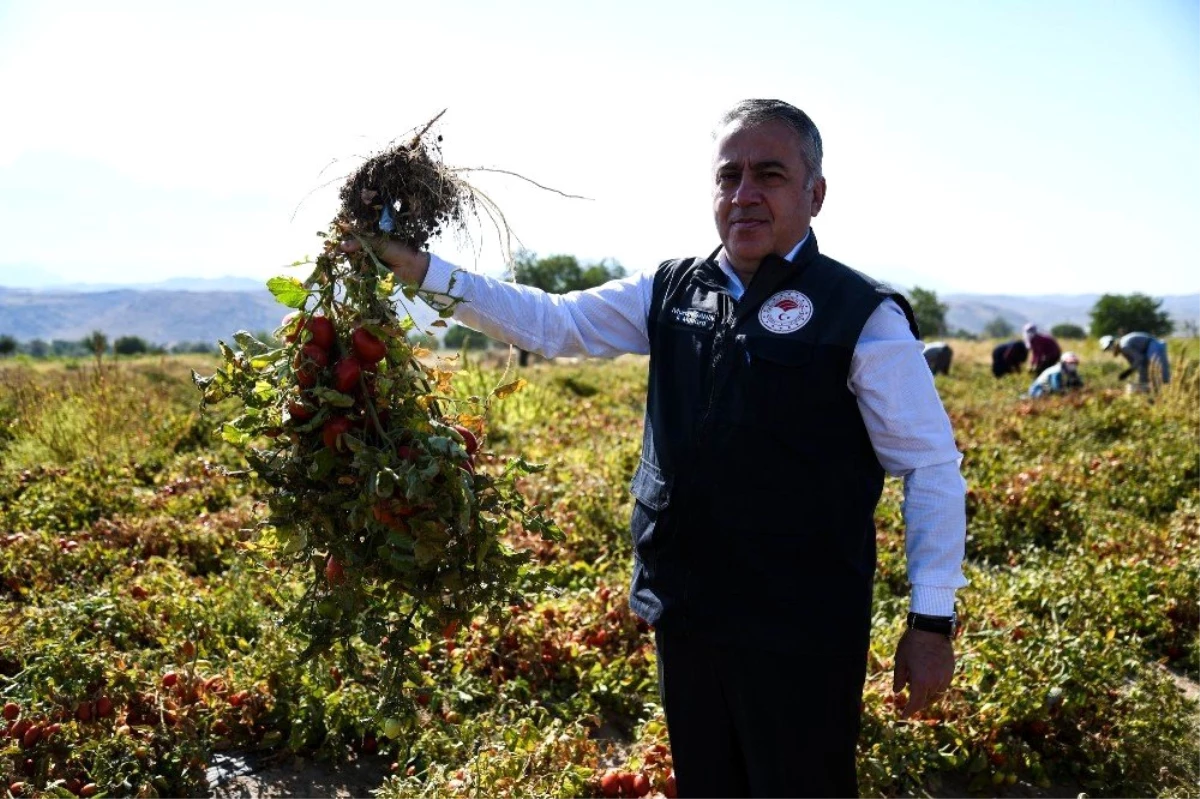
(736, 289)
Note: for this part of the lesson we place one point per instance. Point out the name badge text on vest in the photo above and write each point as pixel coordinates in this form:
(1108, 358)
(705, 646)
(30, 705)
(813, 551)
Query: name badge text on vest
(694, 317)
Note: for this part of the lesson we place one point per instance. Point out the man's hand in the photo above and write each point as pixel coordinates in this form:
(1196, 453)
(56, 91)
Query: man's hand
(407, 264)
(924, 662)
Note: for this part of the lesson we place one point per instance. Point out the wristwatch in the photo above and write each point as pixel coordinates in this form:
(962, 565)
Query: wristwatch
(943, 625)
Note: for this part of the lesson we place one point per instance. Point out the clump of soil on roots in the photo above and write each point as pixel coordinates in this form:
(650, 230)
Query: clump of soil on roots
(407, 192)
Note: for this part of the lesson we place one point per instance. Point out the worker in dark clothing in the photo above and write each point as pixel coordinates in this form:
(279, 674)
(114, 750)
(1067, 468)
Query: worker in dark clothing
(938, 356)
(1009, 357)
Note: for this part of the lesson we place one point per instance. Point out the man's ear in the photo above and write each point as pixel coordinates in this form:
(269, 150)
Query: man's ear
(818, 195)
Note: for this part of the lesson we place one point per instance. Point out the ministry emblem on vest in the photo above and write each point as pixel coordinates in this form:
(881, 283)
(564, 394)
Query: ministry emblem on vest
(785, 312)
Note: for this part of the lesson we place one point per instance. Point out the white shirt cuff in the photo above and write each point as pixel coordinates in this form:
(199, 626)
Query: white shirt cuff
(441, 278)
(932, 600)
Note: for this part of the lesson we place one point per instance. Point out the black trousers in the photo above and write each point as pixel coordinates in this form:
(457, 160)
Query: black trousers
(747, 721)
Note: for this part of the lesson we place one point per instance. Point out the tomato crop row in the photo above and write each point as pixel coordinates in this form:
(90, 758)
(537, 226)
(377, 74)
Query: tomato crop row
(140, 620)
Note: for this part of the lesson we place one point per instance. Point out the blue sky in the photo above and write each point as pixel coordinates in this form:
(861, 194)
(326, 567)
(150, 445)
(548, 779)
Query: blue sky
(994, 147)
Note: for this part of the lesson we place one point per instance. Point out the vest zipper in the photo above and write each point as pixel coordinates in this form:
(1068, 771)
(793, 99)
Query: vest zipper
(724, 327)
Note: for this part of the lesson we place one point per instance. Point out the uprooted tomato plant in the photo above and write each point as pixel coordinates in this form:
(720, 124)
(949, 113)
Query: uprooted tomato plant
(369, 459)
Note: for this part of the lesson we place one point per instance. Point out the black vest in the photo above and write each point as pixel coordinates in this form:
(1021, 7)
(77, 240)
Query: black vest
(757, 487)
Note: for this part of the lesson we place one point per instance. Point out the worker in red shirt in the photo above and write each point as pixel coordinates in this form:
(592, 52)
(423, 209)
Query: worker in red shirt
(1043, 350)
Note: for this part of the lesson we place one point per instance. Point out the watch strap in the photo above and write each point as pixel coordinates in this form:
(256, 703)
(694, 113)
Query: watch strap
(942, 625)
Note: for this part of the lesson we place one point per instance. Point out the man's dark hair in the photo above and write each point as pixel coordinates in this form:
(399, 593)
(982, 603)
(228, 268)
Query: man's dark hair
(755, 112)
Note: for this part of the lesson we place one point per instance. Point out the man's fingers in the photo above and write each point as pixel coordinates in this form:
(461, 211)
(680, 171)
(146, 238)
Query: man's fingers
(354, 240)
(922, 693)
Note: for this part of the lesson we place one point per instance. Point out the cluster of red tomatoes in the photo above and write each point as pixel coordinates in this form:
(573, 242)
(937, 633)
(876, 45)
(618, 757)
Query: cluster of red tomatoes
(654, 778)
(28, 732)
(351, 367)
(317, 362)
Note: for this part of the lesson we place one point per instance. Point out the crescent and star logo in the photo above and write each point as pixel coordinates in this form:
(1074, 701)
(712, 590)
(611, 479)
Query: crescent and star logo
(785, 312)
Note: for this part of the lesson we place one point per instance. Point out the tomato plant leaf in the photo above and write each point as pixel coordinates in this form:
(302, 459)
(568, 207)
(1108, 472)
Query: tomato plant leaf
(332, 397)
(249, 344)
(231, 434)
(322, 463)
(386, 286)
(288, 291)
(500, 392)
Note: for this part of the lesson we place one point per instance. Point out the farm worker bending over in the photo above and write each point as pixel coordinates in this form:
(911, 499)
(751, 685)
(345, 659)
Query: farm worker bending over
(1058, 379)
(938, 356)
(1044, 351)
(1008, 357)
(783, 386)
(1141, 350)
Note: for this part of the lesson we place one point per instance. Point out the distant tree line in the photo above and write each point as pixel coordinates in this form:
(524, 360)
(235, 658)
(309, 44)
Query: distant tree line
(97, 343)
(1113, 314)
(1068, 331)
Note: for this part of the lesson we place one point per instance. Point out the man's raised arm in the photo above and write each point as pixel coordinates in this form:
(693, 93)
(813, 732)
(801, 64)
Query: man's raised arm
(604, 321)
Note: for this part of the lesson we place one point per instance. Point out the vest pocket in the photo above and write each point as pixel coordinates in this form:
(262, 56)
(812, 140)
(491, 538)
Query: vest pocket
(648, 525)
(778, 380)
(777, 353)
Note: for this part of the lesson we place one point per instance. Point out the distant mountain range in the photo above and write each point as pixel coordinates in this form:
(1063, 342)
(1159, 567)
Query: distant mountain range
(35, 279)
(184, 309)
(157, 315)
(971, 312)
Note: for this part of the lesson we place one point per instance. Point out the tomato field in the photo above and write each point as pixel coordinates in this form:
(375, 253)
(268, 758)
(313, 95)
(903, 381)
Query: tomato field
(144, 630)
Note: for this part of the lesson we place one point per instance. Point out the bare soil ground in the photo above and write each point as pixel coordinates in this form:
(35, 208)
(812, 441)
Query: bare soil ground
(243, 779)
(235, 777)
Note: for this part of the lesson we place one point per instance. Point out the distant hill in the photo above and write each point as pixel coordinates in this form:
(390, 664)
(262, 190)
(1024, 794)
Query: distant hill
(202, 313)
(157, 316)
(972, 312)
(36, 279)
(160, 317)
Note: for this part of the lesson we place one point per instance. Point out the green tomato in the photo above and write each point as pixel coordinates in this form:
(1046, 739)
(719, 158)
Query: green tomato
(329, 609)
(392, 728)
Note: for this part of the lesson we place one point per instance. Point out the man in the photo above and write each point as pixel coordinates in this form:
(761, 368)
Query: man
(782, 385)
(1058, 379)
(938, 356)
(1008, 357)
(1043, 350)
(1142, 350)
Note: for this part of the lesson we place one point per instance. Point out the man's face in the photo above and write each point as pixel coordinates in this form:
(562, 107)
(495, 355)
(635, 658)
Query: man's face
(759, 197)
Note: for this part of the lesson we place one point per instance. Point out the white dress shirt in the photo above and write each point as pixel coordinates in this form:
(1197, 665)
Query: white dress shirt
(901, 409)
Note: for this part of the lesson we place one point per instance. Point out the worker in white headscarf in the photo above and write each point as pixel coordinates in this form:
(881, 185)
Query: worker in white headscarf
(1058, 379)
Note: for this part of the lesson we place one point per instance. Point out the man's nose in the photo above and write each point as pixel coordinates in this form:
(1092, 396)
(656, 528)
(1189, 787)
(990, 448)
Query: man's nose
(746, 192)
